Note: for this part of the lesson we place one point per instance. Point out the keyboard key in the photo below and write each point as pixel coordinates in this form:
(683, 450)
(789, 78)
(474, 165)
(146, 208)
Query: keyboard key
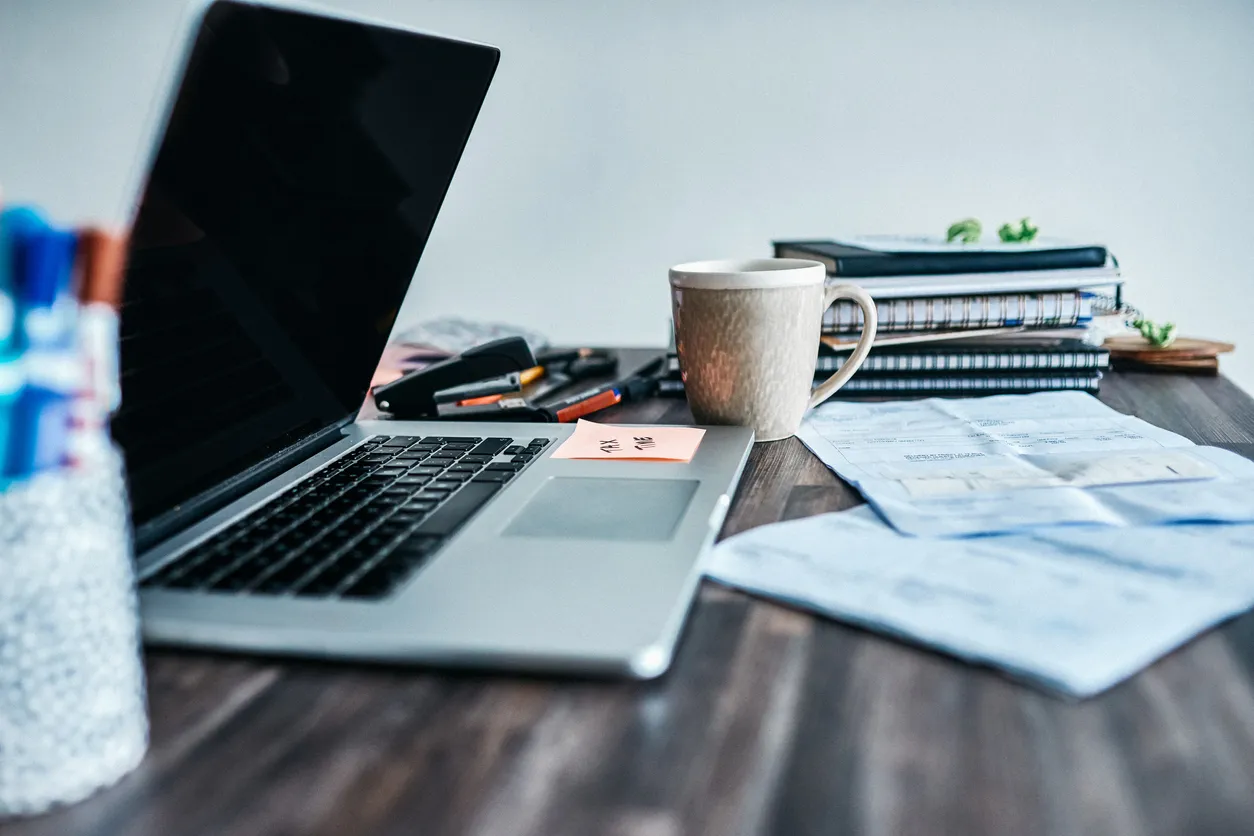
(414, 481)
(479, 460)
(439, 461)
(394, 569)
(463, 448)
(319, 550)
(390, 471)
(426, 471)
(412, 456)
(340, 507)
(464, 467)
(374, 584)
(521, 458)
(393, 527)
(436, 492)
(241, 576)
(337, 537)
(510, 466)
(452, 476)
(456, 439)
(491, 446)
(515, 449)
(460, 507)
(326, 581)
(288, 575)
(376, 509)
(539, 442)
(351, 526)
(401, 441)
(197, 576)
(374, 541)
(494, 476)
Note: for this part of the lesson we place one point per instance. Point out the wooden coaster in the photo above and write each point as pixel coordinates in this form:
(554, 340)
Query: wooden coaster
(1134, 346)
(1186, 354)
(1196, 365)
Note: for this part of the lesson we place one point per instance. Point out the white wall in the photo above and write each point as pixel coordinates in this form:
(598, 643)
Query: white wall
(621, 137)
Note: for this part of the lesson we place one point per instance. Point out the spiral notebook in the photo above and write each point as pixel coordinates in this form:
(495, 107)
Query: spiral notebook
(1012, 353)
(1058, 309)
(944, 384)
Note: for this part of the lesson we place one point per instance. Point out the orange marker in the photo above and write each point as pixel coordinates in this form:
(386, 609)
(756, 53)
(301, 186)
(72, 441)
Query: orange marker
(597, 402)
(101, 261)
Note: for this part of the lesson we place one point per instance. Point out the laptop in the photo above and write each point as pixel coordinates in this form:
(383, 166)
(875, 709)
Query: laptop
(288, 201)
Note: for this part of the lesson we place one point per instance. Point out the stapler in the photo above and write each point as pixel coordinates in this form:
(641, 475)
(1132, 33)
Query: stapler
(412, 397)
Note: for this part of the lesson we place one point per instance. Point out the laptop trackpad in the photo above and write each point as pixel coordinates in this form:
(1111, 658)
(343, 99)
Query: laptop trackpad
(623, 510)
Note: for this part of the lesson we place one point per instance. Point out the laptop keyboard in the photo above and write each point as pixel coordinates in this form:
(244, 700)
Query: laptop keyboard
(357, 528)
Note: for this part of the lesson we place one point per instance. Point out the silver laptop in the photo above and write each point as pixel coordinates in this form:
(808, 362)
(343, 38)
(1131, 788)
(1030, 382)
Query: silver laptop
(289, 200)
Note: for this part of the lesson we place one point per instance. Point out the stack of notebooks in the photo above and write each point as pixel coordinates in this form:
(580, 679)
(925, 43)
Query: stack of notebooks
(960, 319)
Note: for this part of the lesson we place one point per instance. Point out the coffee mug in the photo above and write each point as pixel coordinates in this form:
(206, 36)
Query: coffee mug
(747, 334)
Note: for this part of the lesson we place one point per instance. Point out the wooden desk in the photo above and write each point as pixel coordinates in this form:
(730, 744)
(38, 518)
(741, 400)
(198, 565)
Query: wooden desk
(769, 722)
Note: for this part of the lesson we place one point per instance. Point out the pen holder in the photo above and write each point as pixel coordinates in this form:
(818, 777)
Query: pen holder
(72, 705)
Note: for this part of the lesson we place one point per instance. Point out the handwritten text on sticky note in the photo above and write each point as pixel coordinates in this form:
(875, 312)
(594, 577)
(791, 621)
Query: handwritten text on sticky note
(645, 443)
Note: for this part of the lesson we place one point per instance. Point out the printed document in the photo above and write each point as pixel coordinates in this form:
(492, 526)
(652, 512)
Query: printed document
(1076, 610)
(964, 467)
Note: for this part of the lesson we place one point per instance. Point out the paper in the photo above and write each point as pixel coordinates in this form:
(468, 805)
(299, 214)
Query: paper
(643, 443)
(972, 466)
(1074, 609)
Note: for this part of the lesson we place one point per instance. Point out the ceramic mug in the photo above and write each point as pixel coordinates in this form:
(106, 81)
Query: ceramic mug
(747, 334)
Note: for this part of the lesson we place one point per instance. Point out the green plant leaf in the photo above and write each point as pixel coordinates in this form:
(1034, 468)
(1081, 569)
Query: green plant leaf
(1024, 233)
(1160, 336)
(968, 230)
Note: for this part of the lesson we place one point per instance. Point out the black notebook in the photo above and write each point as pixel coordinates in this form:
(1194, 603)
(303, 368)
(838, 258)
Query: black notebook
(849, 261)
(974, 356)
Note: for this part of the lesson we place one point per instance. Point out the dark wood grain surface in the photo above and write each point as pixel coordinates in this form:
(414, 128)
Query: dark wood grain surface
(770, 721)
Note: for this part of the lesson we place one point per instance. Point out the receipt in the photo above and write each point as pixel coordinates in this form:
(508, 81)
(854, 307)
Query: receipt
(988, 465)
(1059, 471)
(1075, 610)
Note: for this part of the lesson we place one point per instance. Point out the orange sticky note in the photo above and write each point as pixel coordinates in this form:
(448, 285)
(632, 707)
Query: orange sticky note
(649, 444)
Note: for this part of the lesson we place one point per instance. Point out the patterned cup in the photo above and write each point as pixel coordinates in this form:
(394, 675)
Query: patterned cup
(747, 334)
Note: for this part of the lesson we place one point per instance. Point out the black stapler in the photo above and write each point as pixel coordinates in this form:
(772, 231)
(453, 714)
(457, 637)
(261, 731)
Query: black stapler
(412, 397)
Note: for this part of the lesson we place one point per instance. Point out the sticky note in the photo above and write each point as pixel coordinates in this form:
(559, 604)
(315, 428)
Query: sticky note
(639, 444)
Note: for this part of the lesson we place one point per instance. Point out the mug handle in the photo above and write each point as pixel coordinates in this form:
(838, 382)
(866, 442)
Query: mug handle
(870, 321)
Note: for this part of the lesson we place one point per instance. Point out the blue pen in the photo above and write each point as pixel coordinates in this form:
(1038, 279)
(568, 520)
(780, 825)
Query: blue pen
(16, 225)
(40, 264)
(10, 389)
(44, 307)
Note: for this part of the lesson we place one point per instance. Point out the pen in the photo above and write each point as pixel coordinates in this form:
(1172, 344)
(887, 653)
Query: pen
(586, 402)
(101, 262)
(45, 308)
(517, 408)
(10, 366)
(480, 389)
(99, 265)
(16, 226)
(639, 384)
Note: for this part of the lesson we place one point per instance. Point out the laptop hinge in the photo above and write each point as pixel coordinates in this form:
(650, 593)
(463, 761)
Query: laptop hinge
(224, 493)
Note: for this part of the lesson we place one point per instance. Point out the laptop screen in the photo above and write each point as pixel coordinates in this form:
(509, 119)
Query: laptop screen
(300, 173)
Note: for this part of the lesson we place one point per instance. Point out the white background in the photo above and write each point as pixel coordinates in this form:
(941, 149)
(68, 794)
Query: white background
(621, 137)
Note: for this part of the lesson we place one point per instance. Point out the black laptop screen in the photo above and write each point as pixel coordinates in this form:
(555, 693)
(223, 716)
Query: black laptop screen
(301, 170)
